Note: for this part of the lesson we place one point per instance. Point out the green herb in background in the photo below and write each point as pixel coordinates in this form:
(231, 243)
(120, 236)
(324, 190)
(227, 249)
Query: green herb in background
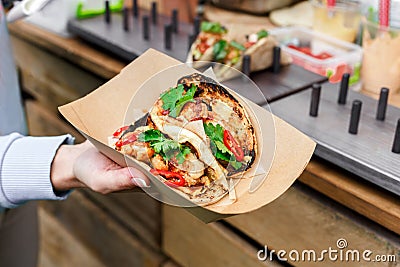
(219, 49)
(237, 45)
(213, 27)
(262, 34)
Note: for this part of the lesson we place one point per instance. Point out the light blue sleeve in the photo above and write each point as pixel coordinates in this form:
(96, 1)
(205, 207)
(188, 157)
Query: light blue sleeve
(25, 164)
(12, 118)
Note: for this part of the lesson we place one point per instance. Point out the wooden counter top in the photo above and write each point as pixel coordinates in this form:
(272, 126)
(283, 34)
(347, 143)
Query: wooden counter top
(351, 191)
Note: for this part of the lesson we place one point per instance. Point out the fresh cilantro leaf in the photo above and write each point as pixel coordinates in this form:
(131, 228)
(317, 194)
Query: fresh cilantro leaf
(221, 147)
(169, 154)
(215, 133)
(180, 157)
(151, 135)
(229, 158)
(237, 45)
(219, 132)
(213, 27)
(167, 148)
(235, 164)
(206, 26)
(188, 97)
(218, 148)
(174, 99)
(221, 55)
(262, 34)
(171, 96)
(209, 129)
(223, 156)
(158, 147)
(219, 49)
(189, 94)
(170, 145)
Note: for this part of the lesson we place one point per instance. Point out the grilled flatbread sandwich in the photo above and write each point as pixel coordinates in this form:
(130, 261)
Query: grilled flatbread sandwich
(259, 46)
(195, 136)
(206, 108)
(202, 47)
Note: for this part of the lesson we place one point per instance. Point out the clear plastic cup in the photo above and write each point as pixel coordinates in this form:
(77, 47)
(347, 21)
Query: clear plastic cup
(341, 21)
(381, 58)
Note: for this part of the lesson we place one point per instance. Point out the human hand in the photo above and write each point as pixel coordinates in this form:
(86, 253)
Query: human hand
(84, 166)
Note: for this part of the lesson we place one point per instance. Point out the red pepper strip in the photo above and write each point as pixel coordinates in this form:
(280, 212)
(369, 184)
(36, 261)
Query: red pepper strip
(175, 179)
(127, 141)
(203, 47)
(201, 118)
(165, 112)
(248, 44)
(233, 146)
(120, 130)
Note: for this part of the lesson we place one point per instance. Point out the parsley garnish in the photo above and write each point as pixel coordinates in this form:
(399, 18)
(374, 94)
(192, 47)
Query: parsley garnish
(213, 27)
(261, 34)
(218, 148)
(174, 99)
(220, 49)
(237, 45)
(167, 148)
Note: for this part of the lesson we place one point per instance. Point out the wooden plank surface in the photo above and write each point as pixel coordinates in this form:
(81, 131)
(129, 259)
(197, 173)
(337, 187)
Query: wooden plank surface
(51, 80)
(190, 242)
(303, 220)
(58, 247)
(111, 242)
(367, 154)
(346, 188)
(42, 122)
(136, 211)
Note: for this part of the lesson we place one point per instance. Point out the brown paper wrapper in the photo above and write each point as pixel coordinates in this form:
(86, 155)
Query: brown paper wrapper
(101, 112)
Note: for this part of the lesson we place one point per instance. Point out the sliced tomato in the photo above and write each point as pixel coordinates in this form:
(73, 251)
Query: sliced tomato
(323, 55)
(203, 47)
(248, 44)
(122, 142)
(233, 146)
(118, 132)
(174, 178)
(165, 112)
(338, 73)
(307, 50)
